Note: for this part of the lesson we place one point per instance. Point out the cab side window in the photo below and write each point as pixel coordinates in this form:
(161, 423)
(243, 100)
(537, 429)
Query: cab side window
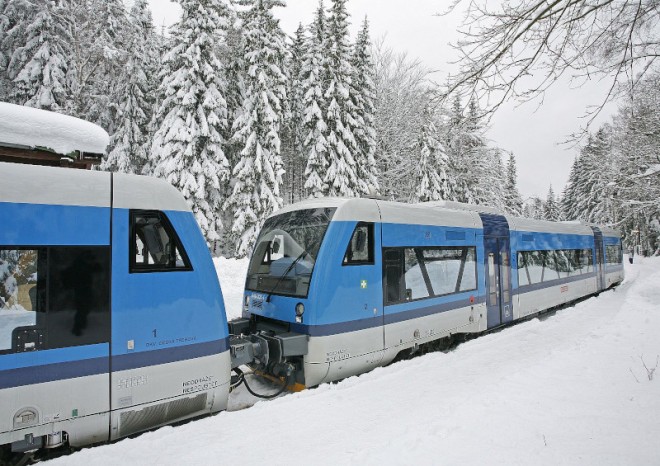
(360, 250)
(155, 246)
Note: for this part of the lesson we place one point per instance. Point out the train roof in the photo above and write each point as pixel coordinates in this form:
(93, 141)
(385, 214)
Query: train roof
(31, 184)
(447, 213)
(26, 127)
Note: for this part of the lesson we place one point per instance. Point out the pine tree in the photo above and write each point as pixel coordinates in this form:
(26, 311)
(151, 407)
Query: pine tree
(258, 175)
(534, 208)
(341, 176)
(111, 33)
(588, 188)
(38, 68)
(14, 19)
(512, 199)
(314, 107)
(363, 95)
(571, 197)
(187, 147)
(431, 176)
(293, 152)
(130, 144)
(551, 209)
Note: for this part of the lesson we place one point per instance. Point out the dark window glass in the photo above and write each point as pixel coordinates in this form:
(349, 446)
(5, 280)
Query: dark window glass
(286, 251)
(360, 249)
(613, 254)
(429, 272)
(54, 297)
(155, 246)
(545, 266)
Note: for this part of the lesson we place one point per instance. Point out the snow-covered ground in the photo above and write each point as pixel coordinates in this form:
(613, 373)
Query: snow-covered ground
(570, 388)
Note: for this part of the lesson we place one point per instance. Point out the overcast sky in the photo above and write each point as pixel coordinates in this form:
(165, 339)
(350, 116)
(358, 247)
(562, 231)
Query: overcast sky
(531, 132)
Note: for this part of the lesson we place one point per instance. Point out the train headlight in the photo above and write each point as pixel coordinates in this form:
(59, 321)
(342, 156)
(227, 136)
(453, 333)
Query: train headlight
(300, 310)
(246, 303)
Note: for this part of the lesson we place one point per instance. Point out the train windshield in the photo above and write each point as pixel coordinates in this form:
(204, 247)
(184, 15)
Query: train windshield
(286, 252)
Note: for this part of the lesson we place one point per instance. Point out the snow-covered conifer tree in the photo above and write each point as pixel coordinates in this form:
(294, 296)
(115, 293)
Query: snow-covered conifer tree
(187, 147)
(587, 191)
(111, 33)
(131, 142)
(314, 106)
(534, 208)
(341, 176)
(431, 174)
(512, 199)
(551, 209)
(363, 94)
(293, 152)
(258, 174)
(38, 67)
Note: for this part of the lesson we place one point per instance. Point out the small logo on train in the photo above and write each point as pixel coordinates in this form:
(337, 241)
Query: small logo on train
(564, 289)
(363, 284)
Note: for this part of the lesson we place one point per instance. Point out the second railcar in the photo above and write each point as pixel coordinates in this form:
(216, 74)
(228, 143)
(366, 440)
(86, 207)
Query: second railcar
(337, 287)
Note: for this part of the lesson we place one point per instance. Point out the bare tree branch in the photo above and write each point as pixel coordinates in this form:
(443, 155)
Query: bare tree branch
(524, 47)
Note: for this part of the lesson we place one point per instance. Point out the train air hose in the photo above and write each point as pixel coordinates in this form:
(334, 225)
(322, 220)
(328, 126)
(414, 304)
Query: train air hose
(243, 379)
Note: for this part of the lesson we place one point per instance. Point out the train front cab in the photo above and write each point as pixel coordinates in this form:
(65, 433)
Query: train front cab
(373, 279)
(91, 348)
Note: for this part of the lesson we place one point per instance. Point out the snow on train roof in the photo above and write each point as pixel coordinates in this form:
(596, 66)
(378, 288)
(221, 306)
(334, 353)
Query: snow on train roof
(63, 134)
(32, 184)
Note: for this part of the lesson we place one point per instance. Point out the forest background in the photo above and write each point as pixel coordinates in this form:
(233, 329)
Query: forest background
(243, 119)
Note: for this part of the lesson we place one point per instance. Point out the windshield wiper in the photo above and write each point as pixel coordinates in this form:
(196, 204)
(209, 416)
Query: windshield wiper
(286, 272)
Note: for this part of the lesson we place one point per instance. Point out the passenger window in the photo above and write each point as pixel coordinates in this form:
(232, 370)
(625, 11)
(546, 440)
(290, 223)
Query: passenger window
(155, 247)
(54, 297)
(418, 273)
(416, 287)
(360, 250)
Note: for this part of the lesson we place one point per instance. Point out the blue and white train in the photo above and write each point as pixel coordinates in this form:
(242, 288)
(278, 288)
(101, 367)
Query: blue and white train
(112, 320)
(337, 287)
(111, 316)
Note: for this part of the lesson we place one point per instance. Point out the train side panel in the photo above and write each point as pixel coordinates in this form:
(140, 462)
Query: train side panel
(538, 287)
(418, 317)
(170, 357)
(55, 314)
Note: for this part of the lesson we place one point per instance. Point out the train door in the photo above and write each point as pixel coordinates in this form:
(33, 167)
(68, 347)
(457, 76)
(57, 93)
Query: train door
(497, 262)
(600, 258)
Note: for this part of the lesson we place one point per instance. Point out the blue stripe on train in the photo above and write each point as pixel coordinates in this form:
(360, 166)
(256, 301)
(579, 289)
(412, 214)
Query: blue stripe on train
(129, 361)
(54, 225)
(61, 370)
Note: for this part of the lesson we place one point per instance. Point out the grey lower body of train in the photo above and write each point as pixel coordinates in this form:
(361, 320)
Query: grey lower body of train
(40, 416)
(320, 359)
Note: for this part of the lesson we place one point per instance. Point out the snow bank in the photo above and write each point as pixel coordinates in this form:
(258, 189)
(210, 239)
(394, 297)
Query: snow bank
(63, 134)
(570, 388)
(232, 273)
